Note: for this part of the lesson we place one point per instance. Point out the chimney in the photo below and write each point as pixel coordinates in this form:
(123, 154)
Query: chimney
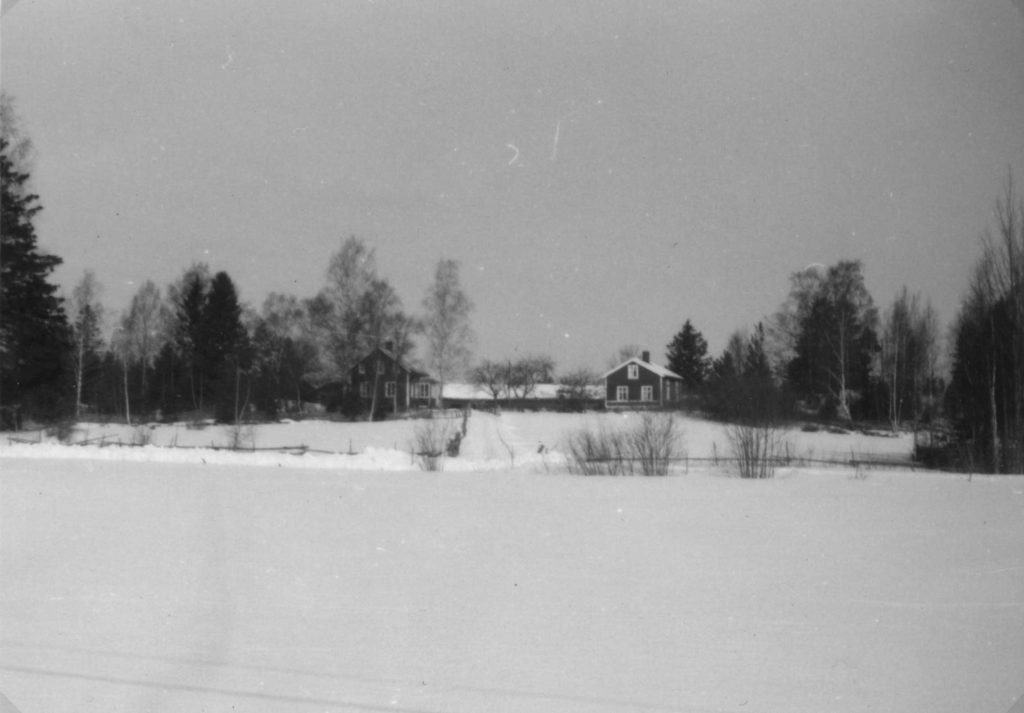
(645, 357)
(389, 346)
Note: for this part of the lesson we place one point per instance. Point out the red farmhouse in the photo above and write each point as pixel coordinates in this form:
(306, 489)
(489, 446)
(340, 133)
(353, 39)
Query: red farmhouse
(637, 383)
(381, 381)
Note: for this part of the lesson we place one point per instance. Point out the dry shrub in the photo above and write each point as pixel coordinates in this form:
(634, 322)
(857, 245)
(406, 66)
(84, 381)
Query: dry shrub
(431, 437)
(756, 447)
(142, 435)
(647, 449)
(655, 443)
(242, 436)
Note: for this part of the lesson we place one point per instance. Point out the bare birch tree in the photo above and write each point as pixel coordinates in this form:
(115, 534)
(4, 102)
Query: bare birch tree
(145, 329)
(86, 322)
(446, 323)
(909, 347)
(339, 325)
(987, 389)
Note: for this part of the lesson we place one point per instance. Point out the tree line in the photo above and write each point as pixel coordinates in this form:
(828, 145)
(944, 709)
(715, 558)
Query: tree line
(827, 353)
(194, 348)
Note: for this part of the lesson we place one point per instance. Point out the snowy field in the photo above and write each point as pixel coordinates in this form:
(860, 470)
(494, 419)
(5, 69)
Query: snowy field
(511, 440)
(150, 579)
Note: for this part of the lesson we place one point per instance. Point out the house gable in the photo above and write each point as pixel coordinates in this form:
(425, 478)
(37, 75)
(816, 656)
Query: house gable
(396, 387)
(640, 384)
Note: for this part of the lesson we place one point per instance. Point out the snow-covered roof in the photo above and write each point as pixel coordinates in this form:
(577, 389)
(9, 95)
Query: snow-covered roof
(476, 393)
(413, 371)
(650, 366)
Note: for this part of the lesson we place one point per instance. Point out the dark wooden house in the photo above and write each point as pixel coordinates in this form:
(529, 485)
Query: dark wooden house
(637, 383)
(380, 381)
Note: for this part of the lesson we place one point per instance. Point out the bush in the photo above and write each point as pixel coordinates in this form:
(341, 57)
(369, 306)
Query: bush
(755, 446)
(142, 435)
(647, 449)
(62, 430)
(598, 452)
(241, 436)
(432, 437)
(655, 443)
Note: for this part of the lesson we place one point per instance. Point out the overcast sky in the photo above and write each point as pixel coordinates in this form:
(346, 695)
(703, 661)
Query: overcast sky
(603, 170)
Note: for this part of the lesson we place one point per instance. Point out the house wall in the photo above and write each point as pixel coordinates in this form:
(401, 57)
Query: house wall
(620, 377)
(365, 372)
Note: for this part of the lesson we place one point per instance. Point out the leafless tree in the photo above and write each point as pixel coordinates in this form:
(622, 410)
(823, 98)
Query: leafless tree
(491, 376)
(525, 373)
(145, 324)
(576, 385)
(86, 323)
(379, 312)
(1008, 251)
(625, 353)
(120, 345)
(337, 310)
(446, 323)
(909, 351)
(736, 347)
(994, 308)
(356, 312)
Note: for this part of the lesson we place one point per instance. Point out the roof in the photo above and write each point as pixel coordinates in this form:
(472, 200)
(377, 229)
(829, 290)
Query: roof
(413, 372)
(657, 369)
(462, 390)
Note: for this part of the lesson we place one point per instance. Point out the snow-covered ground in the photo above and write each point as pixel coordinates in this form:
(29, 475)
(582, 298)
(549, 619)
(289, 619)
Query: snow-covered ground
(535, 441)
(151, 579)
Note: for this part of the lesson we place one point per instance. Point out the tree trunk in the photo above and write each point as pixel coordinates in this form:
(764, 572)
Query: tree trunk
(843, 411)
(373, 397)
(79, 370)
(144, 384)
(127, 405)
(994, 419)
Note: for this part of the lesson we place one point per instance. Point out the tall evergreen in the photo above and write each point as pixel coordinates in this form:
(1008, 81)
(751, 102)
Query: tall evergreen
(34, 334)
(688, 356)
(223, 348)
(221, 334)
(189, 299)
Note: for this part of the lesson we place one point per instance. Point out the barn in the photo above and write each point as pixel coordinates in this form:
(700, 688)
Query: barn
(639, 384)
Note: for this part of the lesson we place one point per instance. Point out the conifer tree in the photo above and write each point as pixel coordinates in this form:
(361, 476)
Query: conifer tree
(688, 356)
(34, 335)
(223, 348)
(188, 296)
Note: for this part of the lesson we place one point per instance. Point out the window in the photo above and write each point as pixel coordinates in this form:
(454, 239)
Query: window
(647, 393)
(362, 368)
(389, 389)
(380, 366)
(423, 390)
(364, 389)
(633, 371)
(622, 393)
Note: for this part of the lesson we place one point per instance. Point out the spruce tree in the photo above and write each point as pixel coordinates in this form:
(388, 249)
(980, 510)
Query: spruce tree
(223, 349)
(34, 334)
(188, 296)
(688, 356)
